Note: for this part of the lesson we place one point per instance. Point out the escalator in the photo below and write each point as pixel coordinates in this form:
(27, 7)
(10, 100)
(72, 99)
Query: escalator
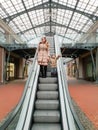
(45, 104)
(47, 107)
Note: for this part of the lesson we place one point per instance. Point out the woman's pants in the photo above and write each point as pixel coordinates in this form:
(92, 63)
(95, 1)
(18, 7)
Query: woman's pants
(43, 70)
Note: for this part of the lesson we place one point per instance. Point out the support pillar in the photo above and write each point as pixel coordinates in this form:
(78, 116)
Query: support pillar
(2, 57)
(76, 68)
(80, 69)
(97, 66)
(94, 67)
(21, 67)
(6, 77)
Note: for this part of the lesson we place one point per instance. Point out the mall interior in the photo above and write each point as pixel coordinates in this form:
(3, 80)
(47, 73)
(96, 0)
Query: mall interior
(66, 101)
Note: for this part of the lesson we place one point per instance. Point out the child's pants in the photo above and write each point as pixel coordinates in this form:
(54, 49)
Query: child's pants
(54, 71)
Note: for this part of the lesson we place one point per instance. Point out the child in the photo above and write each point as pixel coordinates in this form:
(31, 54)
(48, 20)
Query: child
(53, 64)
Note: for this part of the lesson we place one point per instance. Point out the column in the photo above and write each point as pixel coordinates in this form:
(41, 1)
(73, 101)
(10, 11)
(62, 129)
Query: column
(21, 67)
(2, 57)
(80, 69)
(97, 66)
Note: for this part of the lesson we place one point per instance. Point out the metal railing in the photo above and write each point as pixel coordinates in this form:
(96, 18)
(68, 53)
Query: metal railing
(28, 104)
(70, 120)
(27, 88)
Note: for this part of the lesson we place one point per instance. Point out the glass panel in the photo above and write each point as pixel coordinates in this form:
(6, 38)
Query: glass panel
(37, 17)
(12, 7)
(21, 22)
(70, 3)
(2, 35)
(38, 31)
(88, 6)
(2, 13)
(14, 27)
(33, 3)
(53, 28)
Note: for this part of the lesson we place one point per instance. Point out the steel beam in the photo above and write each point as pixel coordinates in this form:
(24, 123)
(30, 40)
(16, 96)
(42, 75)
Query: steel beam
(60, 6)
(66, 37)
(28, 16)
(54, 5)
(38, 7)
(49, 34)
(11, 47)
(52, 24)
(88, 47)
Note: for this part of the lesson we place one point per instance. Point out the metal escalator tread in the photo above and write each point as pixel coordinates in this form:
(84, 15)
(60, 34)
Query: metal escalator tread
(46, 126)
(48, 116)
(47, 95)
(47, 87)
(47, 105)
(48, 80)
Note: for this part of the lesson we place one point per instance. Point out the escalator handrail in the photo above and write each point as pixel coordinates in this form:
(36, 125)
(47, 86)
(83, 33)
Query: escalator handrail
(26, 103)
(17, 108)
(65, 87)
(70, 119)
(64, 118)
(66, 115)
(30, 110)
(79, 126)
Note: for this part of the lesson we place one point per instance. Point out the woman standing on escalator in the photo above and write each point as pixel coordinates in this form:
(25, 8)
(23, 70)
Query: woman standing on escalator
(43, 56)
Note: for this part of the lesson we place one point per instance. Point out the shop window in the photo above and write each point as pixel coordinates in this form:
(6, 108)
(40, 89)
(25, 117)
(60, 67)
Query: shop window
(10, 71)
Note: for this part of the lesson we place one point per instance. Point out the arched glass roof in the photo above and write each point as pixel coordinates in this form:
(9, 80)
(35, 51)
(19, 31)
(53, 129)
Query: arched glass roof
(66, 18)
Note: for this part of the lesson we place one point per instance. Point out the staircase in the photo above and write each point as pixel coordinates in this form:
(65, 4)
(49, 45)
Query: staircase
(52, 46)
(47, 112)
(47, 108)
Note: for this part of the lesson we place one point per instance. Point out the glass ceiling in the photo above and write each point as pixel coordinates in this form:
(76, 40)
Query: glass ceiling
(33, 18)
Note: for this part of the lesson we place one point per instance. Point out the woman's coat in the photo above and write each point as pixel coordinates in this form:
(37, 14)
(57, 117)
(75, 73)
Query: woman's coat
(43, 54)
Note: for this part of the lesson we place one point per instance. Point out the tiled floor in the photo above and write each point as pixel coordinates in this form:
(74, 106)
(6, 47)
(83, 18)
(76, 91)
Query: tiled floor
(86, 96)
(84, 93)
(10, 94)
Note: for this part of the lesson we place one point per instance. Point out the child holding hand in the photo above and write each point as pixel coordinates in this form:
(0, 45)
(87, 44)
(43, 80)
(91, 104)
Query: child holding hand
(53, 64)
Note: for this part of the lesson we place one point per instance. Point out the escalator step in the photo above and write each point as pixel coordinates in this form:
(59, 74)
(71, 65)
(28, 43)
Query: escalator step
(46, 116)
(49, 87)
(47, 95)
(48, 80)
(46, 126)
(46, 105)
(48, 73)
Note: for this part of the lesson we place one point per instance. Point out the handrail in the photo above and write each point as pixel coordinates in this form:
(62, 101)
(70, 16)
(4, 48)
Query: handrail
(70, 119)
(16, 110)
(73, 121)
(26, 104)
(30, 110)
(77, 122)
(62, 104)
